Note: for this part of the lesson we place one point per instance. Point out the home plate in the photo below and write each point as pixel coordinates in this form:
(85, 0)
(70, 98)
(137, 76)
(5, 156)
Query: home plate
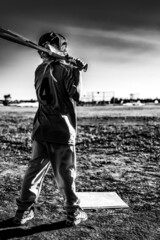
(91, 200)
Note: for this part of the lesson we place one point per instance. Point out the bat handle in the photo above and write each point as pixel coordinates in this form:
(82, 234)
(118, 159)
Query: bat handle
(77, 63)
(85, 67)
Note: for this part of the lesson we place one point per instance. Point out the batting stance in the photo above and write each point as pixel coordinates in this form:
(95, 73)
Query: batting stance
(58, 87)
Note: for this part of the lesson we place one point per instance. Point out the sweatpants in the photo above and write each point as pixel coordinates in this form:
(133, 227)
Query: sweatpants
(62, 158)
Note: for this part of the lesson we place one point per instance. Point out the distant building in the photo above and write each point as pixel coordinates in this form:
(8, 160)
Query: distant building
(156, 101)
(98, 96)
(134, 96)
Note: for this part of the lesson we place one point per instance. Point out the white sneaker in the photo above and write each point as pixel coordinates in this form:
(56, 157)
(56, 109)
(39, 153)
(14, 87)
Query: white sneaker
(23, 217)
(76, 217)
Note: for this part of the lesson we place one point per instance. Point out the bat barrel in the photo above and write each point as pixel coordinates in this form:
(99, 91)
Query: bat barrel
(16, 38)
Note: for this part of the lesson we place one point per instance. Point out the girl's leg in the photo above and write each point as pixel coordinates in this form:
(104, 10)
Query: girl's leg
(63, 160)
(34, 176)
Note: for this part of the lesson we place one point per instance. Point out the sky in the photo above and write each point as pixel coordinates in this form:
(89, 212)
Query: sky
(119, 39)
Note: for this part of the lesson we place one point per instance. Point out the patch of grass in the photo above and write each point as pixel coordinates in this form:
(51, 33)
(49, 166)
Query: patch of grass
(114, 153)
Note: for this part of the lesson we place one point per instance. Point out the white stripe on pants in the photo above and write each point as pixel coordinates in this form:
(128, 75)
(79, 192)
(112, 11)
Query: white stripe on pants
(62, 158)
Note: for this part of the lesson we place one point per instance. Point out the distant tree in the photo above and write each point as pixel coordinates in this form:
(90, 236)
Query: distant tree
(7, 99)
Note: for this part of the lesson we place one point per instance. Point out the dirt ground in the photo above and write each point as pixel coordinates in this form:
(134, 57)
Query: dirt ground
(118, 149)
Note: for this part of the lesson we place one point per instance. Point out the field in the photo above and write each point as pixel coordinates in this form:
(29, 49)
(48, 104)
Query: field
(118, 149)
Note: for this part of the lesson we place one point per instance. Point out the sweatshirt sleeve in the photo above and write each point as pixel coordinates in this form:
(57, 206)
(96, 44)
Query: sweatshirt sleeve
(72, 82)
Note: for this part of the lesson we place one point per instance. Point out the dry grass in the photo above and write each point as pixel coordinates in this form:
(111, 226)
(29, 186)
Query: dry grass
(118, 149)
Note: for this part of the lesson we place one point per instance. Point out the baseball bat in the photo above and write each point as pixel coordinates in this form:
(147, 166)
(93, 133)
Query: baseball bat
(16, 38)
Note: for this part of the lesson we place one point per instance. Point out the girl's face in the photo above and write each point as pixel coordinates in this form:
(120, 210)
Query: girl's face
(62, 49)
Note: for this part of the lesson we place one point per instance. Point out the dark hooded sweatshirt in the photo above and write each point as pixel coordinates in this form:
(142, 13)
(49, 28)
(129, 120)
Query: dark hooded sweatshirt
(58, 89)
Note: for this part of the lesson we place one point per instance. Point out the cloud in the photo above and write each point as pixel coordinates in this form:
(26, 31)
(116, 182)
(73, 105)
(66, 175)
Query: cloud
(116, 45)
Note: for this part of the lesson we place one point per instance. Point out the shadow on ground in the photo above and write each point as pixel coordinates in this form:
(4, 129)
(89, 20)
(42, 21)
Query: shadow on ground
(8, 230)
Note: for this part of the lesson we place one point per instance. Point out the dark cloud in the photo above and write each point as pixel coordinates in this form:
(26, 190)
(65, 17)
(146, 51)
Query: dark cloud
(102, 14)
